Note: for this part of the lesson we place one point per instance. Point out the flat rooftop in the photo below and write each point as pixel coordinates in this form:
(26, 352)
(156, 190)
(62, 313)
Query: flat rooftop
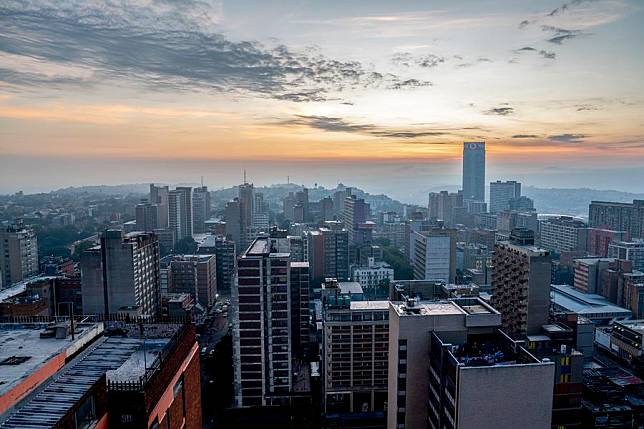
(260, 246)
(20, 287)
(634, 325)
(589, 305)
(22, 341)
(50, 402)
(428, 308)
(369, 305)
(350, 287)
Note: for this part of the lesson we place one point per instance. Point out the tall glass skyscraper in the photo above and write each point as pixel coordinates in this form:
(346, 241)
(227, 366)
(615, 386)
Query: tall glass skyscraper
(474, 171)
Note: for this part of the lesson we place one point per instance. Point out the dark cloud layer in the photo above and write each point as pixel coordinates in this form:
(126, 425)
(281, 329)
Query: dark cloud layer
(568, 138)
(501, 111)
(165, 47)
(525, 136)
(335, 124)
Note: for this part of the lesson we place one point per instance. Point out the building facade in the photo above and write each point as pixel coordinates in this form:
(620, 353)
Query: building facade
(474, 171)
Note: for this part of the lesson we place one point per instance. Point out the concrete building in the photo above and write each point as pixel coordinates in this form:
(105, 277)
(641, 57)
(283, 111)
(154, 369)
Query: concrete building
(235, 231)
(563, 234)
(160, 195)
(18, 254)
(474, 171)
(441, 354)
(521, 284)
(442, 206)
(195, 275)
(150, 377)
(125, 278)
(374, 278)
(356, 212)
(628, 251)
(224, 250)
(262, 346)
(200, 209)
(600, 238)
(434, 256)
(501, 193)
(147, 217)
(588, 274)
(355, 344)
(328, 253)
(246, 195)
(627, 217)
(300, 301)
(180, 212)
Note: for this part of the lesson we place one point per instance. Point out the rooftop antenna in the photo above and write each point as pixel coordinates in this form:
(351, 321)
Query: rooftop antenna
(288, 180)
(202, 181)
(244, 176)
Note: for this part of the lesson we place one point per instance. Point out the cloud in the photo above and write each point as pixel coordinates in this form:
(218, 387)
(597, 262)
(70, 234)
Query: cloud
(523, 24)
(545, 54)
(525, 136)
(586, 107)
(567, 6)
(335, 124)
(568, 138)
(167, 45)
(408, 84)
(501, 111)
(561, 34)
(548, 54)
(406, 59)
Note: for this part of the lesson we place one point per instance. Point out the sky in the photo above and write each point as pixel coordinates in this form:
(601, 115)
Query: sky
(377, 94)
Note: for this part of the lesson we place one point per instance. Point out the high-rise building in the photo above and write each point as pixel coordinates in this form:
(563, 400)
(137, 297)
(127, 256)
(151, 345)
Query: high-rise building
(356, 212)
(563, 234)
(300, 300)
(434, 256)
(354, 360)
(224, 250)
(599, 239)
(160, 195)
(628, 251)
(262, 346)
(234, 229)
(147, 217)
(474, 171)
(18, 254)
(200, 209)
(627, 217)
(196, 275)
(442, 352)
(336, 253)
(180, 212)
(588, 274)
(126, 278)
(442, 205)
(502, 193)
(521, 284)
(247, 204)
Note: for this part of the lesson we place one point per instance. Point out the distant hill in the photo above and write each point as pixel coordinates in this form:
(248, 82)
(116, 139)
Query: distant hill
(573, 201)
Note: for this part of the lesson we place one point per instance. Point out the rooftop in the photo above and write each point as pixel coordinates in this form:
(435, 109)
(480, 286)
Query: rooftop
(634, 325)
(589, 305)
(49, 404)
(428, 308)
(350, 287)
(23, 341)
(369, 305)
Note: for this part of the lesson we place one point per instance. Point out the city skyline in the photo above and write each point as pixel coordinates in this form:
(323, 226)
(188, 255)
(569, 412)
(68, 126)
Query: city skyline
(390, 90)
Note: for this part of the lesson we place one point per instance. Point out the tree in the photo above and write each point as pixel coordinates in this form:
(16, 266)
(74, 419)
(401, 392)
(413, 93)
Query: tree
(186, 246)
